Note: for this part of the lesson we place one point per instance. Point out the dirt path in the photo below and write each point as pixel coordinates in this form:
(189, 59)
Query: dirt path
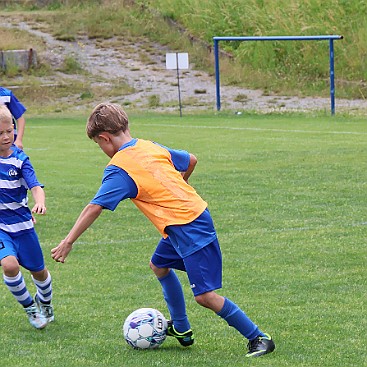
(146, 73)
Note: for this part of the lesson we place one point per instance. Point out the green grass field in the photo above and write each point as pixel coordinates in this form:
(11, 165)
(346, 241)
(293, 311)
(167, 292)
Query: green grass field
(288, 196)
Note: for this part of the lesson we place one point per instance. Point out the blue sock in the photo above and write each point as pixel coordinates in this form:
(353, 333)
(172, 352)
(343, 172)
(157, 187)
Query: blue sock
(173, 294)
(239, 320)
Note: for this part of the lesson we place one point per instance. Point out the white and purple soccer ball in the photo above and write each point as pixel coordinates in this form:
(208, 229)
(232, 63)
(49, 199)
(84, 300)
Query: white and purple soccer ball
(145, 328)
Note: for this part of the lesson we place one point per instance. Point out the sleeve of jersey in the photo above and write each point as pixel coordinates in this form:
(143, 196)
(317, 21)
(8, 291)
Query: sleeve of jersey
(116, 186)
(16, 108)
(29, 174)
(180, 159)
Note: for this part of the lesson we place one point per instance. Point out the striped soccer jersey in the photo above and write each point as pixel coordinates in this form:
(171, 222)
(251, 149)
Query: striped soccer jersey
(15, 107)
(16, 177)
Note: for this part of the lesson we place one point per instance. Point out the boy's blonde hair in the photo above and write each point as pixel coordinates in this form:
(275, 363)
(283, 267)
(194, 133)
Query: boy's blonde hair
(107, 117)
(5, 115)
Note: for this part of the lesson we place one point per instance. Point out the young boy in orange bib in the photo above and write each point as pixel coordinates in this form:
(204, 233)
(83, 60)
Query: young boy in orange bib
(155, 178)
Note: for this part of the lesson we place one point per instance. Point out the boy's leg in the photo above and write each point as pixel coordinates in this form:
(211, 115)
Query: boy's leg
(174, 297)
(179, 325)
(12, 275)
(17, 287)
(31, 257)
(163, 259)
(204, 269)
(259, 342)
(43, 283)
(43, 297)
(26, 251)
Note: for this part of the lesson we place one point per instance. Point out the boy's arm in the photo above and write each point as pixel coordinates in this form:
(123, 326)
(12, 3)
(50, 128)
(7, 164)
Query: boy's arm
(89, 214)
(39, 200)
(20, 132)
(190, 169)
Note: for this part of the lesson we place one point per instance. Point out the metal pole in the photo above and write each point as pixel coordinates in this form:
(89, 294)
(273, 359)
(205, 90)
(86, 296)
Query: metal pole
(178, 84)
(217, 82)
(332, 84)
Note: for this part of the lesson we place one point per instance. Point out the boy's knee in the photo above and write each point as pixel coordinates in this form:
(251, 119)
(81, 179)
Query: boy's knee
(159, 272)
(40, 275)
(152, 266)
(202, 300)
(10, 266)
(210, 300)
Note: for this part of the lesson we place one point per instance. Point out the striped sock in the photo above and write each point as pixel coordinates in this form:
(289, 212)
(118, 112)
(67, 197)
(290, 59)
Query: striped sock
(44, 289)
(18, 288)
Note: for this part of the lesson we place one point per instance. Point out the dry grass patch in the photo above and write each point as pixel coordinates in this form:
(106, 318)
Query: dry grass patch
(15, 39)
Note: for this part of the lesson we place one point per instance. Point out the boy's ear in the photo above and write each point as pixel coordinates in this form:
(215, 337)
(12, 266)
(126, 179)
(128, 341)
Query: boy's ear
(104, 136)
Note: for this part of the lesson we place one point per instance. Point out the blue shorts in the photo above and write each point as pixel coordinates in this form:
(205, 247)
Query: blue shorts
(26, 248)
(203, 267)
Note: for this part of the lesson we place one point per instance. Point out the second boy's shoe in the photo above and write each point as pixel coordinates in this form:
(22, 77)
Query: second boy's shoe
(35, 317)
(185, 339)
(46, 309)
(260, 346)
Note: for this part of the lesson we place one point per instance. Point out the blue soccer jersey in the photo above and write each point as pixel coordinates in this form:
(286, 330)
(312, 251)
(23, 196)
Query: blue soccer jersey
(15, 107)
(16, 177)
(9, 100)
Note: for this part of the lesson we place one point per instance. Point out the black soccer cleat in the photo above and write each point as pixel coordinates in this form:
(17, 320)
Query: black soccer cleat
(260, 346)
(185, 339)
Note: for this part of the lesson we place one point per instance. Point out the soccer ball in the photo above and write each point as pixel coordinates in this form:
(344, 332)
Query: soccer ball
(145, 328)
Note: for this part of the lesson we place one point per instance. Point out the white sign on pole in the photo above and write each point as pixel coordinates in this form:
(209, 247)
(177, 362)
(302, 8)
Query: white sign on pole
(177, 61)
(181, 58)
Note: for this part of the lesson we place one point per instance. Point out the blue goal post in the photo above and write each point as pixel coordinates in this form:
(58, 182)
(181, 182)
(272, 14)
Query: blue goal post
(330, 38)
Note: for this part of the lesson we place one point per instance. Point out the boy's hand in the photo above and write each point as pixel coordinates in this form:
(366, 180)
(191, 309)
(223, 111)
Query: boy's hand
(60, 252)
(39, 209)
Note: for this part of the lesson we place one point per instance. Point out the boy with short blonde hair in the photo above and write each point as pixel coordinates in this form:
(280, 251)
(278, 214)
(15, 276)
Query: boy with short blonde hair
(19, 244)
(17, 111)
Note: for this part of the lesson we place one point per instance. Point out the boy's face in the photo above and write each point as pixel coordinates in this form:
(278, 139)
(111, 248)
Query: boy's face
(6, 137)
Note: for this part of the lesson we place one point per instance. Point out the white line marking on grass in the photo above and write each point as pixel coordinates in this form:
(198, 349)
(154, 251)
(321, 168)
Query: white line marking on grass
(258, 129)
(301, 229)
(236, 128)
(154, 240)
(37, 148)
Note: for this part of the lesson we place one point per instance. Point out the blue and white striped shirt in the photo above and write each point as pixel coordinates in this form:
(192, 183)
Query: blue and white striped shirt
(16, 177)
(15, 107)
